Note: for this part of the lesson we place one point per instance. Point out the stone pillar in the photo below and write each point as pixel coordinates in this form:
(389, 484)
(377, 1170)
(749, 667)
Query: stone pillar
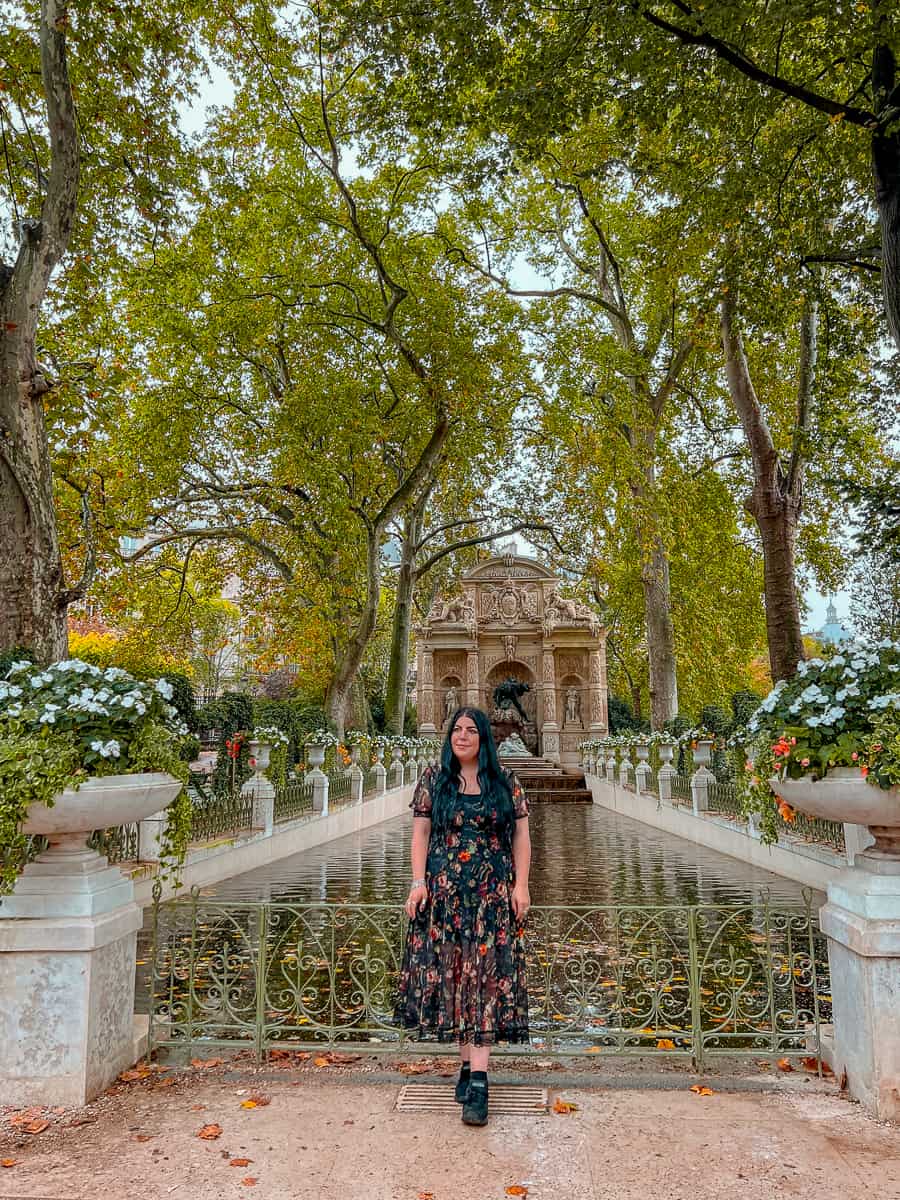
(425, 671)
(597, 694)
(150, 835)
(700, 781)
(473, 682)
(856, 839)
(642, 777)
(611, 769)
(319, 781)
(357, 783)
(550, 727)
(380, 777)
(67, 959)
(263, 803)
(664, 779)
(395, 774)
(862, 923)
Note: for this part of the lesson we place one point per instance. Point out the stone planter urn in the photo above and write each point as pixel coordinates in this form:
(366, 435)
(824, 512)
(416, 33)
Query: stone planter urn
(666, 753)
(355, 752)
(643, 751)
(76, 813)
(703, 752)
(845, 796)
(315, 755)
(260, 753)
(68, 940)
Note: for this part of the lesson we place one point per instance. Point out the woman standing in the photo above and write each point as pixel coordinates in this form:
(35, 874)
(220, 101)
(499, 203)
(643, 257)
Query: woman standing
(463, 972)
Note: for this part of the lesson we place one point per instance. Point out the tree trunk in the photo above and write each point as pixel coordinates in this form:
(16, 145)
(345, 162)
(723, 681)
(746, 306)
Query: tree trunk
(338, 696)
(395, 701)
(886, 169)
(32, 598)
(776, 500)
(777, 516)
(660, 636)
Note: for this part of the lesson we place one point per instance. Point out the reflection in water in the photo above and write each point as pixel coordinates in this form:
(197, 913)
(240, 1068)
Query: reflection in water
(582, 854)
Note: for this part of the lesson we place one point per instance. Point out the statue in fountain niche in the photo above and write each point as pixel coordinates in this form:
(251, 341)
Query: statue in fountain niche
(506, 699)
(573, 707)
(451, 702)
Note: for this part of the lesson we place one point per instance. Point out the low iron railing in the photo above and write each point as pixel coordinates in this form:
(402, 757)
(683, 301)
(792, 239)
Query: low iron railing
(697, 980)
(223, 815)
(293, 800)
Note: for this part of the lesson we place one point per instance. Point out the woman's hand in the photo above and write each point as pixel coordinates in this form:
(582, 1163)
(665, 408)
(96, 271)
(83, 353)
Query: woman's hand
(416, 901)
(521, 901)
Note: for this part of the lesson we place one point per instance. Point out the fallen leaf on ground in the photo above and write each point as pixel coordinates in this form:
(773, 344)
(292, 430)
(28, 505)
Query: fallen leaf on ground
(784, 1064)
(336, 1057)
(37, 1126)
(813, 1064)
(843, 1084)
(665, 1044)
(143, 1137)
(516, 1189)
(7, 1162)
(197, 1107)
(565, 1106)
(240, 1162)
(206, 1062)
(593, 1050)
(320, 1062)
(250, 1180)
(209, 1133)
(255, 1102)
(700, 1090)
(414, 1068)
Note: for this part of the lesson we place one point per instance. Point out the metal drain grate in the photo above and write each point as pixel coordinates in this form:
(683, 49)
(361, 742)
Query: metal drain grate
(505, 1099)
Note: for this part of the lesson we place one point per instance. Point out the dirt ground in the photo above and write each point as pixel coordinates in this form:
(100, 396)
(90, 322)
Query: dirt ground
(294, 1130)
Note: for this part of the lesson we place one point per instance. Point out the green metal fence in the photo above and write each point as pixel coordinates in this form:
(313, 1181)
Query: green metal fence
(681, 789)
(293, 800)
(725, 799)
(696, 980)
(120, 844)
(812, 829)
(222, 816)
(339, 788)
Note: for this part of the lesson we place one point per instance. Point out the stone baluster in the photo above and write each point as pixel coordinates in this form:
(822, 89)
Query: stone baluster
(395, 775)
(611, 768)
(380, 772)
(666, 772)
(357, 783)
(625, 767)
(642, 770)
(702, 777)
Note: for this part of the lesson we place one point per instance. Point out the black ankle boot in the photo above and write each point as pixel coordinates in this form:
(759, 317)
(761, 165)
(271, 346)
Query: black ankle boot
(462, 1084)
(475, 1108)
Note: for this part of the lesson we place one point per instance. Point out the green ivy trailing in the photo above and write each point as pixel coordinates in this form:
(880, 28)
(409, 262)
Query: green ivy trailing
(34, 768)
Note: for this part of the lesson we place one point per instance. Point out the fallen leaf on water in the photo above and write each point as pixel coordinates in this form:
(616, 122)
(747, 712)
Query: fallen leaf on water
(700, 1090)
(7, 1162)
(425, 1196)
(784, 1064)
(197, 1107)
(143, 1137)
(250, 1180)
(565, 1106)
(209, 1133)
(240, 1162)
(665, 1044)
(517, 1189)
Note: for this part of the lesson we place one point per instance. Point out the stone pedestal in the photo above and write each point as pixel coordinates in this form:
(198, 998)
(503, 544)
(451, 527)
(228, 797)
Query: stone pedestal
(862, 922)
(67, 959)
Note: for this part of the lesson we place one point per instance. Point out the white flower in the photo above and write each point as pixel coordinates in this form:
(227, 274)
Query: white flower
(165, 689)
(813, 721)
(47, 718)
(110, 749)
(127, 701)
(837, 661)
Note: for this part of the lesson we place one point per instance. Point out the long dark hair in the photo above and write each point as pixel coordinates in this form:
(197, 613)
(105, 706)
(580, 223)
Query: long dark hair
(495, 787)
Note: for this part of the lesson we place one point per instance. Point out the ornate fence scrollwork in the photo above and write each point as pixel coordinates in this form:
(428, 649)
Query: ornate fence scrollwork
(695, 980)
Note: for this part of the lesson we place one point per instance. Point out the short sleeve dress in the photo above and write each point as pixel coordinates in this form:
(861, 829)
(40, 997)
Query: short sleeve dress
(463, 972)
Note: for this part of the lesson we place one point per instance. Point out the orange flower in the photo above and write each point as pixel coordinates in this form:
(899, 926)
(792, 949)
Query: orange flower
(864, 770)
(482, 949)
(786, 812)
(464, 856)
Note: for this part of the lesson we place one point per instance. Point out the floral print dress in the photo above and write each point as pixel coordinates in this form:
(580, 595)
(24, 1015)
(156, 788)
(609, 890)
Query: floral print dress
(463, 971)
